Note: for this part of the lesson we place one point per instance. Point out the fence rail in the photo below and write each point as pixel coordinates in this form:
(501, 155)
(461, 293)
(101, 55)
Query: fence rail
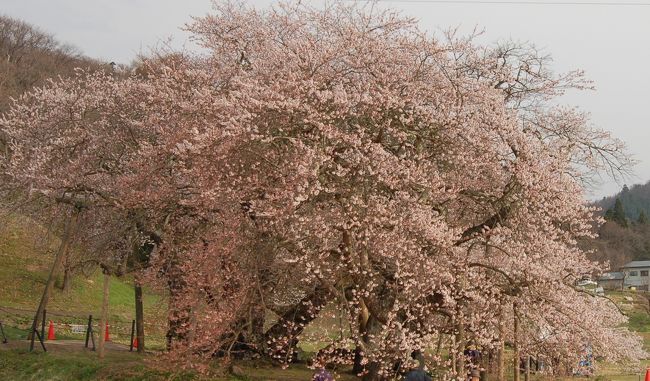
(74, 325)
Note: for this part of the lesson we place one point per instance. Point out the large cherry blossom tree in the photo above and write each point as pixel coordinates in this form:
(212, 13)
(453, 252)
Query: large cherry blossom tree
(426, 187)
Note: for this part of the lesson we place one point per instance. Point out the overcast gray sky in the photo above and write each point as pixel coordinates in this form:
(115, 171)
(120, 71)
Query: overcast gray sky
(611, 43)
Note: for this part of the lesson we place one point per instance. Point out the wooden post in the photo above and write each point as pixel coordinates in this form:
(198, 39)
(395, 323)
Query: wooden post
(139, 317)
(104, 316)
(34, 334)
(132, 334)
(4, 337)
(89, 332)
(43, 323)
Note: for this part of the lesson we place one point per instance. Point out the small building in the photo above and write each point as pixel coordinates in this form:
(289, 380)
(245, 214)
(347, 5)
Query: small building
(637, 274)
(611, 280)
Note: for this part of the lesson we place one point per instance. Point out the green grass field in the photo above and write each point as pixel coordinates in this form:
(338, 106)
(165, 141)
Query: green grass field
(24, 265)
(20, 365)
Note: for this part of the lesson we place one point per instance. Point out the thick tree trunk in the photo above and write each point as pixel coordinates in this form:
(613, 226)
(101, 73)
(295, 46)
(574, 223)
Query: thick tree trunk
(372, 372)
(104, 315)
(68, 234)
(294, 320)
(176, 319)
(139, 316)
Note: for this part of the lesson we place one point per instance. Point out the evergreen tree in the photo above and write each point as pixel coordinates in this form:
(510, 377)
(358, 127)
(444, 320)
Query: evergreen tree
(643, 219)
(618, 214)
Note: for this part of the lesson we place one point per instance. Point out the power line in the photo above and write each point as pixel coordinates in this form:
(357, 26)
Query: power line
(515, 2)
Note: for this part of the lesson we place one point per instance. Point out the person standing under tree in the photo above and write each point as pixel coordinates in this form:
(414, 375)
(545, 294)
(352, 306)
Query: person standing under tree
(322, 375)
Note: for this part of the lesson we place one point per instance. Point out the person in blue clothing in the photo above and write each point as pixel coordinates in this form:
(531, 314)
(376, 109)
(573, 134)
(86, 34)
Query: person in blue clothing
(322, 375)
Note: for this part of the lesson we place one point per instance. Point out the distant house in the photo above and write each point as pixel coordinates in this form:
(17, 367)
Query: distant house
(612, 281)
(637, 274)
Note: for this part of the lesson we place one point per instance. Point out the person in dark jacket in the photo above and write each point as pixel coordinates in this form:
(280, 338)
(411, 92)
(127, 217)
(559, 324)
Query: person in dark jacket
(417, 375)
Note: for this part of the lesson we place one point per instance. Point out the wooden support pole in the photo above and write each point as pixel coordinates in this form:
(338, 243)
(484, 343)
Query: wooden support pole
(43, 323)
(139, 317)
(32, 335)
(4, 337)
(132, 334)
(35, 334)
(89, 332)
(104, 315)
(40, 339)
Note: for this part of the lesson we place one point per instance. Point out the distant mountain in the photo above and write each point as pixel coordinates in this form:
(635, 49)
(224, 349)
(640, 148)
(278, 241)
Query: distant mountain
(634, 200)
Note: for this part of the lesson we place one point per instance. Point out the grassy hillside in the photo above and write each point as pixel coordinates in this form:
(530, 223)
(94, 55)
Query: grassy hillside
(25, 266)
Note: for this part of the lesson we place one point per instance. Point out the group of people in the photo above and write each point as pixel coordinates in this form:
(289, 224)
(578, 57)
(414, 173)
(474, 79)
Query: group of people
(412, 375)
(416, 372)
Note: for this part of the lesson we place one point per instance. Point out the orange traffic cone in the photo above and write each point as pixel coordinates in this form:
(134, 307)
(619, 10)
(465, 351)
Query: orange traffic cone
(50, 331)
(106, 336)
(135, 342)
(647, 374)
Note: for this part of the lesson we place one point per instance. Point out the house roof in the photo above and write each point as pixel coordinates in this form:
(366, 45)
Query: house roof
(612, 276)
(636, 264)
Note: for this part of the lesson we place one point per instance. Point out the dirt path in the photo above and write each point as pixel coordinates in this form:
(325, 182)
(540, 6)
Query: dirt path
(62, 346)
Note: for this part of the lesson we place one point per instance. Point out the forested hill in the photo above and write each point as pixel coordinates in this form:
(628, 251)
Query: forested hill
(626, 234)
(30, 57)
(633, 199)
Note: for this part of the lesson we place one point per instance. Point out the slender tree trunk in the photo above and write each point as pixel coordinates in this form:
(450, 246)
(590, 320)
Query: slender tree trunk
(139, 317)
(67, 274)
(68, 234)
(454, 354)
(501, 353)
(527, 368)
(515, 343)
(460, 357)
(104, 315)
(439, 346)
(364, 317)
(256, 332)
